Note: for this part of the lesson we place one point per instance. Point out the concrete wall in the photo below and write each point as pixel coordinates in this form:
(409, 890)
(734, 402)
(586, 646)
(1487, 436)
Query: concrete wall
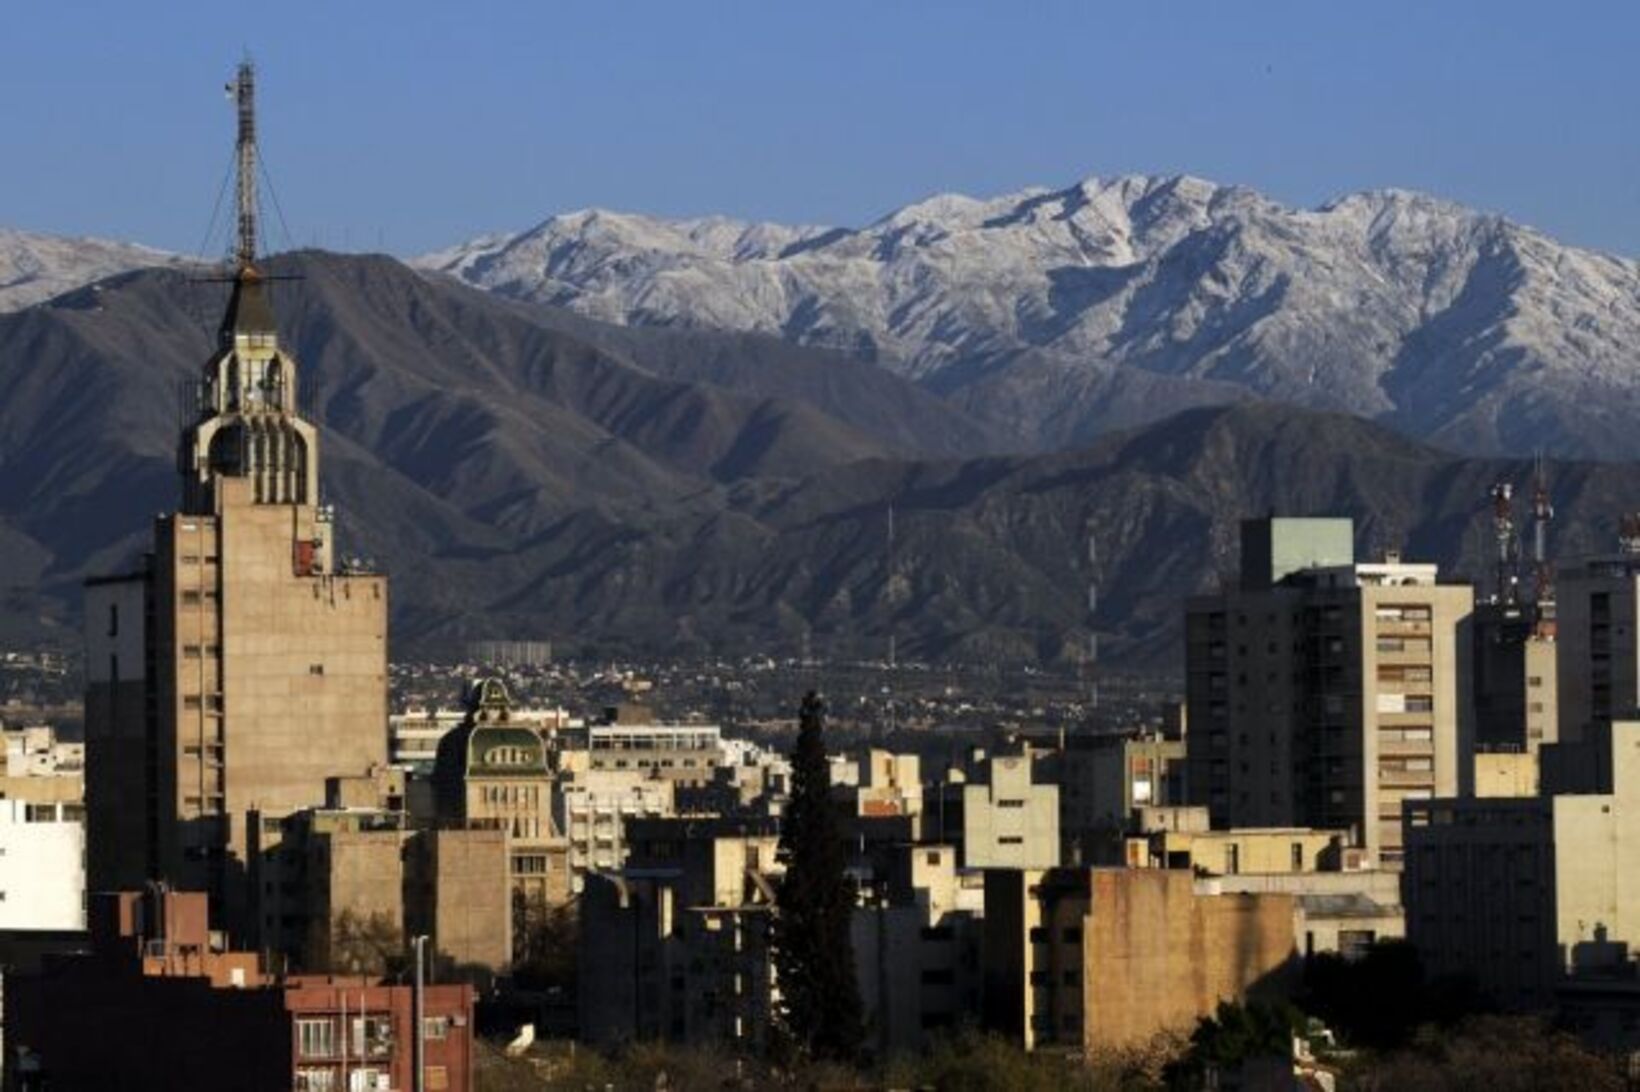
(1010, 821)
(42, 866)
(1158, 956)
(122, 807)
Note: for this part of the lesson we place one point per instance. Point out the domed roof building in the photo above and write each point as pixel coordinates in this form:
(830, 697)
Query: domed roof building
(493, 771)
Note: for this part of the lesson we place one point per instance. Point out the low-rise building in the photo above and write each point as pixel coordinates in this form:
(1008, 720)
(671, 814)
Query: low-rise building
(592, 808)
(1340, 904)
(996, 811)
(338, 888)
(42, 866)
(158, 1003)
(630, 739)
(1108, 957)
(1104, 779)
(677, 943)
(492, 771)
(1527, 893)
(916, 938)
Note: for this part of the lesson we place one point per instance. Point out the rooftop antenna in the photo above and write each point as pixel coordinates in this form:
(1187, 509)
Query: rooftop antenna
(1506, 581)
(1091, 659)
(243, 90)
(1543, 512)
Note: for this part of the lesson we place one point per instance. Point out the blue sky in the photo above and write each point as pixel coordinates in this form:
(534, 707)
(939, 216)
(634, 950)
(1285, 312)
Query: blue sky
(410, 125)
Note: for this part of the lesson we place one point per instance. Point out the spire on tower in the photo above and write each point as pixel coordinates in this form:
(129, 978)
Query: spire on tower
(244, 92)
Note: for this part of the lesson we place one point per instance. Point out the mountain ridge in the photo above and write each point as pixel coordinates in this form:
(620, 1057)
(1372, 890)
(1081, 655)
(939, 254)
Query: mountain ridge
(1043, 309)
(518, 480)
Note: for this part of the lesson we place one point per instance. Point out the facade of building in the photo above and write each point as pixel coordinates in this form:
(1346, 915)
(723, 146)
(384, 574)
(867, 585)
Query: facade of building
(997, 811)
(1108, 957)
(1515, 676)
(1527, 894)
(631, 741)
(158, 1003)
(341, 889)
(1506, 773)
(413, 735)
(42, 866)
(680, 937)
(1329, 698)
(493, 772)
(212, 672)
(1597, 643)
(592, 808)
(916, 938)
(1103, 780)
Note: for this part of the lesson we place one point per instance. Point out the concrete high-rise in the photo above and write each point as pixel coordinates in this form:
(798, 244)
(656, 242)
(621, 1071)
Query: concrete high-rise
(240, 666)
(1325, 694)
(1599, 647)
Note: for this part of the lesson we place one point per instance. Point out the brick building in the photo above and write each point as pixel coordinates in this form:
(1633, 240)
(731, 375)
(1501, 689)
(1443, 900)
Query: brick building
(159, 1004)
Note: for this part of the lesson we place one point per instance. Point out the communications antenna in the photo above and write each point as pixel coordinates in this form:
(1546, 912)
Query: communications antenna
(1506, 571)
(1543, 512)
(243, 90)
(1091, 658)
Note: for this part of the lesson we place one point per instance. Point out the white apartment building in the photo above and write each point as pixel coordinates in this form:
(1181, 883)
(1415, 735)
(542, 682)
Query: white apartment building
(42, 865)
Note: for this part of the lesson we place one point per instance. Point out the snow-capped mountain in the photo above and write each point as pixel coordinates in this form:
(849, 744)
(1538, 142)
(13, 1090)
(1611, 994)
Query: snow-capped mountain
(36, 267)
(1062, 313)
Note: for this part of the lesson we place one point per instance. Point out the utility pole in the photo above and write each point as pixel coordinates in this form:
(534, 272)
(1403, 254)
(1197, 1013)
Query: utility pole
(418, 1040)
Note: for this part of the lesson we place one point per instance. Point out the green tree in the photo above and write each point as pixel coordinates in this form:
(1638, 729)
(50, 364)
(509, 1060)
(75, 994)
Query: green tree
(1233, 1035)
(357, 943)
(814, 957)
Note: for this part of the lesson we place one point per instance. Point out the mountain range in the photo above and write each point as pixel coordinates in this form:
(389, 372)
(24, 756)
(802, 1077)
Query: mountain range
(1058, 315)
(522, 470)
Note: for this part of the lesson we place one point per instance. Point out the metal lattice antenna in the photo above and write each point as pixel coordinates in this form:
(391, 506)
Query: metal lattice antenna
(244, 92)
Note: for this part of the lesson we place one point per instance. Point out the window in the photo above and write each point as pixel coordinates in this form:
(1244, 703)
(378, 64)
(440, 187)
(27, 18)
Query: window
(933, 856)
(315, 1080)
(435, 1027)
(373, 1036)
(113, 619)
(438, 1078)
(1298, 856)
(1232, 859)
(1010, 840)
(1010, 803)
(316, 1038)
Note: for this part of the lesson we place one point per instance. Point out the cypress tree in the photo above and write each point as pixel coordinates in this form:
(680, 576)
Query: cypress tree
(814, 957)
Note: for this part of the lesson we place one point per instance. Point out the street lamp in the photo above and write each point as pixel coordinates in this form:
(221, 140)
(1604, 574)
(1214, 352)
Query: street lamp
(419, 1029)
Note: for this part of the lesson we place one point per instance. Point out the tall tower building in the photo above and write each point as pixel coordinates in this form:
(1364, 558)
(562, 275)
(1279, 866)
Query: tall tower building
(238, 668)
(1323, 692)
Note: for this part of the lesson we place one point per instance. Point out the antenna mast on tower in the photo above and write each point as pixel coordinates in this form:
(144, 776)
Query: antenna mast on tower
(1543, 570)
(1506, 574)
(243, 90)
